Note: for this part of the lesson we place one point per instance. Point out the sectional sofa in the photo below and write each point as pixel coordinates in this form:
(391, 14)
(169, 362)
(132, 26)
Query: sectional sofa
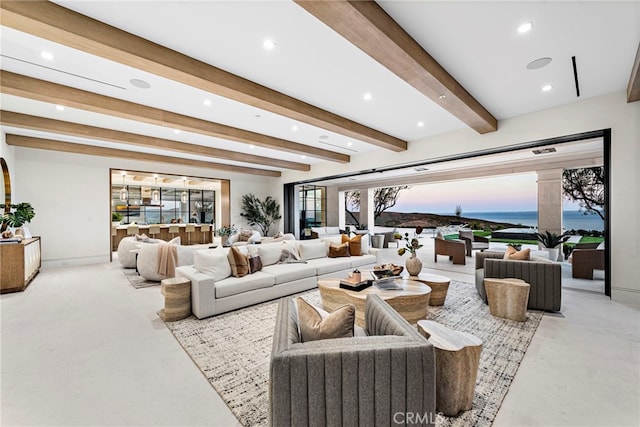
(214, 290)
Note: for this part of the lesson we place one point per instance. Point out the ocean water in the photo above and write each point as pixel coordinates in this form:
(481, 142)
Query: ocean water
(571, 220)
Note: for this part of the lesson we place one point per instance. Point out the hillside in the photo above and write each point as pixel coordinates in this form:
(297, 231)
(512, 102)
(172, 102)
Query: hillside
(415, 219)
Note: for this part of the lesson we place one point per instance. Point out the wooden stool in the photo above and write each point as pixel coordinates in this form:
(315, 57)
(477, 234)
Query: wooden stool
(205, 229)
(508, 298)
(154, 230)
(173, 230)
(439, 287)
(177, 299)
(457, 361)
(132, 230)
(190, 229)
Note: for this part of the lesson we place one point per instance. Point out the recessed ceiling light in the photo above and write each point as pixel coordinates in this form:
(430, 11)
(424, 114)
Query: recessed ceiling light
(176, 131)
(420, 124)
(252, 146)
(538, 63)
(349, 144)
(324, 136)
(207, 102)
(59, 108)
(525, 28)
(268, 44)
(47, 55)
(294, 128)
(547, 88)
(140, 83)
(442, 96)
(303, 156)
(367, 96)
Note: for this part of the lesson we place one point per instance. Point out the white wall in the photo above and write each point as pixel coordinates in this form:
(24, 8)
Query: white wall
(610, 111)
(71, 196)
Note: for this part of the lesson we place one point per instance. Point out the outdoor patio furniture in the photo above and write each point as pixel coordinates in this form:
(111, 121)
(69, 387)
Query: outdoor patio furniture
(473, 242)
(584, 259)
(454, 249)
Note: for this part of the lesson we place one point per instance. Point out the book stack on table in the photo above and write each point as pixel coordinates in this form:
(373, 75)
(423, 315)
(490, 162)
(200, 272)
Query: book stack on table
(355, 285)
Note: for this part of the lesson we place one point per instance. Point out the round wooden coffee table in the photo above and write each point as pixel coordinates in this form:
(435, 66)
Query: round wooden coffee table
(439, 286)
(411, 301)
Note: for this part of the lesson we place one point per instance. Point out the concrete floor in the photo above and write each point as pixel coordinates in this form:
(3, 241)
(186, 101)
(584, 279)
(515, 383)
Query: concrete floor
(81, 347)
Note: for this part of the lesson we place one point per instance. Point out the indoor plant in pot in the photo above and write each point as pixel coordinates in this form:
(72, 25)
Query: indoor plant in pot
(225, 232)
(413, 264)
(552, 241)
(20, 214)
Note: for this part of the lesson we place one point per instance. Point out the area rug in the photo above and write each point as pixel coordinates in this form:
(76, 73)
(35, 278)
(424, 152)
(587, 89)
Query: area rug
(233, 351)
(136, 280)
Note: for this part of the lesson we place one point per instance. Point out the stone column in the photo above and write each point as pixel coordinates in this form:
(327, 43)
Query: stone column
(333, 206)
(364, 206)
(550, 201)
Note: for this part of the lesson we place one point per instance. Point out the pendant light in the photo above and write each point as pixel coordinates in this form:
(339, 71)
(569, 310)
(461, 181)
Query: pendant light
(124, 194)
(155, 194)
(184, 197)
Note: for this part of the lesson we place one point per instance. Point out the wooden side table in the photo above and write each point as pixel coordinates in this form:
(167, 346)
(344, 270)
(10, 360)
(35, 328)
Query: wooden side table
(457, 361)
(177, 299)
(507, 298)
(439, 287)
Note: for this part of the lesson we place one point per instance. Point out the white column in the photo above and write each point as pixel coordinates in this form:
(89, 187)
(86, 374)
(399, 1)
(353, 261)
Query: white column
(370, 209)
(550, 201)
(342, 220)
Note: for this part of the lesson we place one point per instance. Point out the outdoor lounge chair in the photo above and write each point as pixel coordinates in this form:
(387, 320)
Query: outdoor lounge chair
(473, 242)
(585, 258)
(454, 249)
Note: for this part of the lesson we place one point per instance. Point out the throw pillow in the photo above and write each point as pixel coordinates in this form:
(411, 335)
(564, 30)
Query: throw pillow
(175, 241)
(213, 263)
(439, 235)
(245, 235)
(255, 264)
(355, 244)
(339, 324)
(290, 255)
(142, 238)
(336, 251)
(313, 249)
(238, 262)
(269, 253)
(513, 254)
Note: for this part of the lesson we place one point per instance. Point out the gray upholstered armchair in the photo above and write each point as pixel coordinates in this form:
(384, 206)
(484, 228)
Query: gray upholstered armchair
(545, 278)
(351, 381)
(473, 242)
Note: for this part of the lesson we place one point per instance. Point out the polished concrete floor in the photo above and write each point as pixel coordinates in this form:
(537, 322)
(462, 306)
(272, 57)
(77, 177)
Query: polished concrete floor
(81, 347)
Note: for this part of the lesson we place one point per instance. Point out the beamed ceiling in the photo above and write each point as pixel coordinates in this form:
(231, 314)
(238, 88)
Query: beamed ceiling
(218, 99)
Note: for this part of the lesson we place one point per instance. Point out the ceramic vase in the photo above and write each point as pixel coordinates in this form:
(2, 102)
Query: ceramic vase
(414, 265)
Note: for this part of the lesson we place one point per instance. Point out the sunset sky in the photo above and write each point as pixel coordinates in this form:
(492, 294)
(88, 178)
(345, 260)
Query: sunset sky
(497, 194)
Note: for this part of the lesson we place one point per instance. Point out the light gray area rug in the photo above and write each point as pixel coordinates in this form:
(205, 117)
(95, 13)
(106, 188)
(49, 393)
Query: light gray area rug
(233, 351)
(136, 280)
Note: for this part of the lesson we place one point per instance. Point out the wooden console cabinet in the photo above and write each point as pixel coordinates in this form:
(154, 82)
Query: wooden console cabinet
(19, 263)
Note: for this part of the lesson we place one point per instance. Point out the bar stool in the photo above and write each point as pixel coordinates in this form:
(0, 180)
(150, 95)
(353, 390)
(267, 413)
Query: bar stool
(173, 230)
(132, 230)
(114, 233)
(205, 228)
(154, 230)
(190, 229)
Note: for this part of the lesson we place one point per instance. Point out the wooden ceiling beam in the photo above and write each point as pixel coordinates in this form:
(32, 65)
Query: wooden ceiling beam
(366, 25)
(58, 24)
(41, 90)
(90, 150)
(26, 121)
(633, 89)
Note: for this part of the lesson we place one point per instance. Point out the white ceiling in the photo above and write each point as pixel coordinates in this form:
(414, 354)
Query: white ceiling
(475, 41)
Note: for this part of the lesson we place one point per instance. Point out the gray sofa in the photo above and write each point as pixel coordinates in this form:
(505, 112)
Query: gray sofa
(544, 277)
(351, 381)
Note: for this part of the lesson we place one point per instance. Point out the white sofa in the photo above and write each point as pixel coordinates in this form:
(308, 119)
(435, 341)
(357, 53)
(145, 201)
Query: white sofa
(215, 291)
(127, 244)
(324, 232)
(149, 258)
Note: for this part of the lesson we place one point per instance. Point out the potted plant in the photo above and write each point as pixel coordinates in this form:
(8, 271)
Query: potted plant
(116, 217)
(225, 232)
(22, 213)
(262, 213)
(552, 241)
(413, 264)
